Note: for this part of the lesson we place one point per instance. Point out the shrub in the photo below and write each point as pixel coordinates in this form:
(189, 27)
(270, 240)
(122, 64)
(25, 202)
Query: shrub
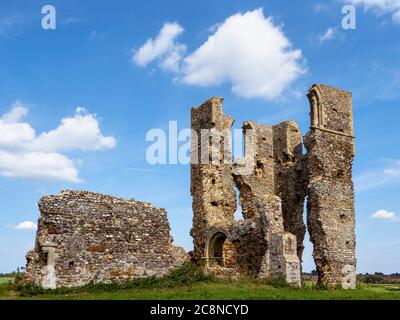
(373, 279)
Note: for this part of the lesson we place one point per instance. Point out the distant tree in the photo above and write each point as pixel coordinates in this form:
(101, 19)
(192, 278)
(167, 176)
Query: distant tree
(314, 272)
(373, 278)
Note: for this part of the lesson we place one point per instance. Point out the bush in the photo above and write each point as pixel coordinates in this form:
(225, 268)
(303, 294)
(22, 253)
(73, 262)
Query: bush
(373, 279)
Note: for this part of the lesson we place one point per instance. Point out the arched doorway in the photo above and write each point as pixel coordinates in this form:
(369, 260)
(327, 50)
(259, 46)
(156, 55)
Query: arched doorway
(220, 251)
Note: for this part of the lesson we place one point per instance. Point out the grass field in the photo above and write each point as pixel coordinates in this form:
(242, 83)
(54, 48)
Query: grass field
(218, 289)
(4, 280)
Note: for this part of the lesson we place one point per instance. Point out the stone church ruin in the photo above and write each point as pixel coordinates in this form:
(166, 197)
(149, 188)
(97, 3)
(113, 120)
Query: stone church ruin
(87, 237)
(268, 242)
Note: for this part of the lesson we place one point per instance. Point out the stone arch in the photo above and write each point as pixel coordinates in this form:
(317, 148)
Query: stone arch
(317, 107)
(219, 250)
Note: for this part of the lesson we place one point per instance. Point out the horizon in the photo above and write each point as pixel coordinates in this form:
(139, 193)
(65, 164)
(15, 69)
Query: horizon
(77, 102)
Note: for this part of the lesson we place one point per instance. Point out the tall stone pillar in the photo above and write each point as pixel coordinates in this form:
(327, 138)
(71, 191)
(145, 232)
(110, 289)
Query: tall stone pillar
(330, 207)
(212, 185)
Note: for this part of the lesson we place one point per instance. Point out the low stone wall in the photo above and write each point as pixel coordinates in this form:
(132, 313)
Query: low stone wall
(87, 237)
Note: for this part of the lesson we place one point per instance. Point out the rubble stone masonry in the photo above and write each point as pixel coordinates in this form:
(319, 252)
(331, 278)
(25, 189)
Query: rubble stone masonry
(330, 206)
(268, 241)
(87, 237)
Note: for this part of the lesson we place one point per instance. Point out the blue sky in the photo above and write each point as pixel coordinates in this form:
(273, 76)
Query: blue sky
(76, 105)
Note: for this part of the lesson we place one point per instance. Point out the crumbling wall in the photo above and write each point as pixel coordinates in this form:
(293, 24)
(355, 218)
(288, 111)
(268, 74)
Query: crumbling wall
(330, 207)
(290, 182)
(255, 245)
(212, 185)
(84, 237)
(258, 195)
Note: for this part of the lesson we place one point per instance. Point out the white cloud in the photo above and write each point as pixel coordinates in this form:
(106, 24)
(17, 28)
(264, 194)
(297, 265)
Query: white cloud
(25, 154)
(38, 165)
(163, 47)
(371, 179)
(329, 34)
(246, 51)
(380, 6)
(384, 214)
(81, 131)
(17, 112)
(26, 225)
(249, 52)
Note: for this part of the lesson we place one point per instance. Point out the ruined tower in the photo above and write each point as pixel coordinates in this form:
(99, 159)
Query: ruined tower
(259, 245)
(330, 206)
(212, 185)
(273, 181)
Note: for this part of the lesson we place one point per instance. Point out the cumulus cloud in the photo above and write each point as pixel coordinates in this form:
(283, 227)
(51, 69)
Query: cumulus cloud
(25, 154)
(81, 131)
(384, 214)
(329, 34)
(26, 225)
(380, 6)
(164, 47)
(246, 51)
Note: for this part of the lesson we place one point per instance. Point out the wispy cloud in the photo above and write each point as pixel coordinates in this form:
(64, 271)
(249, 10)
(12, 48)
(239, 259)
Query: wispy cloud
(133, 169)
(376, 82)
(380, 7)
(72, 20)
(375, 178)
(328, 35)
(319, 7)
(10, 26)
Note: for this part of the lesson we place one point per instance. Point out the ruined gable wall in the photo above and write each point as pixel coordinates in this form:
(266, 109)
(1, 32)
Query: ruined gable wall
(100, 238)
(330, 207)
(257, 244)
(276, 152)
(290, 183)
(258, 202)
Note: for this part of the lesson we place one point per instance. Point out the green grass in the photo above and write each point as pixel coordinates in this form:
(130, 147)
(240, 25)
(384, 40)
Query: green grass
(4, 280)
(190, 282)
(218, 289)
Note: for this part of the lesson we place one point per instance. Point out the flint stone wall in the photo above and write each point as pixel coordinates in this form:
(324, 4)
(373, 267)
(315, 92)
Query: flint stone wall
(254, 246)
(272, 193)
(84, 237)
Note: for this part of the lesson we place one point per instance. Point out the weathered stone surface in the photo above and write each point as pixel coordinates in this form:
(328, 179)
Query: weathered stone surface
(331, 214)
(269, 242)
(84, 237)
(253, 246)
